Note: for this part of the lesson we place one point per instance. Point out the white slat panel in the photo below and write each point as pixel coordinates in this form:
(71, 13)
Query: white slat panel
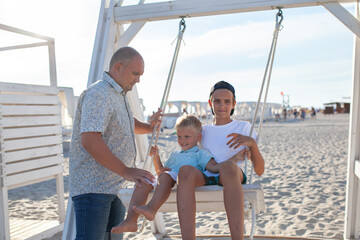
(30, 131)
(32, 175)
(31, 153)
(31, 142)
(30, 121)
(29, 110)
(28, 99)
(32, 164)
(27, 88)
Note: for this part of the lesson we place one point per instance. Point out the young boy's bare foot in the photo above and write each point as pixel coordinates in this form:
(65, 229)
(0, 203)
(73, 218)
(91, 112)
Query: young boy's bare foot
(146, 211)
(125, 227)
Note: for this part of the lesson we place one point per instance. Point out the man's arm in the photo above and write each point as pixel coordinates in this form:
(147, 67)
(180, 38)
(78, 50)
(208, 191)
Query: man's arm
(97, 148)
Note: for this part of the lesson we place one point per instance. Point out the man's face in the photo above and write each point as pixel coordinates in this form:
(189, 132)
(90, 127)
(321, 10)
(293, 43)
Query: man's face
(222, 102)
(128, 74)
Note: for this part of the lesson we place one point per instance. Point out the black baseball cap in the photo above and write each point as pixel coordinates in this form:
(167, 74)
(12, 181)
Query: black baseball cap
(222, 85)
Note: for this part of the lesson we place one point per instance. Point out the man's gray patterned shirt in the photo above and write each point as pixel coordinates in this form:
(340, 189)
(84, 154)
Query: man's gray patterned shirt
(103, 108)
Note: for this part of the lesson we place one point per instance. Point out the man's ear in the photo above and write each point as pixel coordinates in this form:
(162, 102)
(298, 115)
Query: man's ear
(209, 101)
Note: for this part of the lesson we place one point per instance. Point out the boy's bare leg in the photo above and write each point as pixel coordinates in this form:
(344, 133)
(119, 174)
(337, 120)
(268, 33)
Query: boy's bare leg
(161, 194)
(231, 178)
(188, 178)
(139, 197)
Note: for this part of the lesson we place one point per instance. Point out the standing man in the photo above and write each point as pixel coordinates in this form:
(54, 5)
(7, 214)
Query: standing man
(103, 151)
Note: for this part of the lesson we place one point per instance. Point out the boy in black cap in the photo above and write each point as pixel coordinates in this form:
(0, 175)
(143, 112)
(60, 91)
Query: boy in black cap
(223, 138)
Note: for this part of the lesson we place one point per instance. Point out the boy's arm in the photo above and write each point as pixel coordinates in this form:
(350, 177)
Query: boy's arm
(159, 167)
(256, 158)
(237, 140)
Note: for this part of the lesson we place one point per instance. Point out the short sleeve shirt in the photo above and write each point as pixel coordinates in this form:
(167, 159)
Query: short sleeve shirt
(102, 108)
(214, 138)
(194, 156)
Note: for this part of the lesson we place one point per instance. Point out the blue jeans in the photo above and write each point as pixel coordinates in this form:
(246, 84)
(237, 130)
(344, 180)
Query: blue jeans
(96, 214)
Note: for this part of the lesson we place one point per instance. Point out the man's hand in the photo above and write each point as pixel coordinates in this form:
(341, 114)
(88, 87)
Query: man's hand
(156, 118)
(139, 176)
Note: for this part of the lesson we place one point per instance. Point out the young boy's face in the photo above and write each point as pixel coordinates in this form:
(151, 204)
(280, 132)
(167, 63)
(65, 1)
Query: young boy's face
(187, 137)
(222, 102)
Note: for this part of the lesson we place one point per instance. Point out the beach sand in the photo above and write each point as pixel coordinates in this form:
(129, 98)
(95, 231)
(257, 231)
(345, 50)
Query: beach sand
(304, 183)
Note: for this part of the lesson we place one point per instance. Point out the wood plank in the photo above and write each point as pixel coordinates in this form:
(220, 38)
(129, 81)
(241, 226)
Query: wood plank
(196, 8)
(33, 229)
(29, 110)
(31, 153)
(31, 131)
(31, 164)
(32, 175)
(27, 88)
(6, 98)
(344, 16)
(34, 142)
(30, 121)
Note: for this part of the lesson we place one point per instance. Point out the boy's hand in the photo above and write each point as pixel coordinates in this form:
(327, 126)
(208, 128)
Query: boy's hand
(237, 140)
(154, 151)
(241, 155)
(163, 170)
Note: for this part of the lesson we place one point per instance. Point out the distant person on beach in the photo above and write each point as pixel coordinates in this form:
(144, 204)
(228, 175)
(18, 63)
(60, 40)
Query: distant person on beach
(313, 113)
(296, 113)
(284, 114)
(302, 114)
(223, 138)
(103, 148)
(189, 135)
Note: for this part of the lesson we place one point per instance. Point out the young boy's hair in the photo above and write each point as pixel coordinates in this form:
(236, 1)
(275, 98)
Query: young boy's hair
(189, 121)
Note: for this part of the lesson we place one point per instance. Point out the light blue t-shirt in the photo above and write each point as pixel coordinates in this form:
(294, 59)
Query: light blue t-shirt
(194, 156)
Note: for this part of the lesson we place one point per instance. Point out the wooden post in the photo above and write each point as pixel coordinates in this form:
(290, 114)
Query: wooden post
(352, 189)
(4, 214)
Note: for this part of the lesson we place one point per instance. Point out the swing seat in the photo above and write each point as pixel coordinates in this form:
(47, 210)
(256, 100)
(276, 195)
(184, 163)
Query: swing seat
(208, 198)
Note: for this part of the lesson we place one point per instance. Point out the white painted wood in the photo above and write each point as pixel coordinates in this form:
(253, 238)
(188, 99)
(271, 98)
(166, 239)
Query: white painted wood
(32, 164)
(24, 46)
(354, 144)
(69, 231)
(52, 63)
(31, 153)
(32, 175)
(95, 66)
(130, 33)
(344, 16)
(208, 198)
(196, 8)
(23, 32)
(4, 214)
(357, 168)
(30, 132)
(60, 195)
(27, 88)
(29, 110)
(31, 121)
(28, 99)
(31, 142)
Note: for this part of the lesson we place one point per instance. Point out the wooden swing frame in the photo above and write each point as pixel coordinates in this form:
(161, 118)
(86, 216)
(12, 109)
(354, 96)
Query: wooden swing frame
(111, 35)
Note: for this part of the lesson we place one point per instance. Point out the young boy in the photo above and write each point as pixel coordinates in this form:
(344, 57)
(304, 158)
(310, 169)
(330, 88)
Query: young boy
(189, 134)
(224, 137)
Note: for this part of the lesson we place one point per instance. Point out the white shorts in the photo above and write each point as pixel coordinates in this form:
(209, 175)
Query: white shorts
(172, 174)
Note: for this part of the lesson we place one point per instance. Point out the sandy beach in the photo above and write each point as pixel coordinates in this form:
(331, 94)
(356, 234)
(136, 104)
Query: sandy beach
(304, 183)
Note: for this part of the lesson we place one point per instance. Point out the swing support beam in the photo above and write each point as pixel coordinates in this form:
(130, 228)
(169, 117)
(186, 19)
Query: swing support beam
(111, 35)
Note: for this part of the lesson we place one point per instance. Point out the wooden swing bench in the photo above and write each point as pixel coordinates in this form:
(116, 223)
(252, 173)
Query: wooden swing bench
(208, 198)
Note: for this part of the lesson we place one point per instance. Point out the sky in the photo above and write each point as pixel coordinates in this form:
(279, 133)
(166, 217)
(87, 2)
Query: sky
(313, 61)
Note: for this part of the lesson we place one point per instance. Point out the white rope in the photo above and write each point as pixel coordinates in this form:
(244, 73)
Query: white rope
(164, 100)
(267, 77)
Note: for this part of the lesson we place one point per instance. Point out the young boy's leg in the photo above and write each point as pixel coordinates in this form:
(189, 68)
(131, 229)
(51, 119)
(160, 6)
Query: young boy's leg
(189, 177)
(161, 194)
(231, 178)
(139, 197)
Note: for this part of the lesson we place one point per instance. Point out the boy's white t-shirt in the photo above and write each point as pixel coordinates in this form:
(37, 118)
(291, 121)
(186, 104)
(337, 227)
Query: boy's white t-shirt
(214, 139)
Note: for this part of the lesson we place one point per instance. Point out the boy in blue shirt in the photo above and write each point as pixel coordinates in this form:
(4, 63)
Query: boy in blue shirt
(188, 129)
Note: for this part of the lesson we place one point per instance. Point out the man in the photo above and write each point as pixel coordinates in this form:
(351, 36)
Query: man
(103, 147)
